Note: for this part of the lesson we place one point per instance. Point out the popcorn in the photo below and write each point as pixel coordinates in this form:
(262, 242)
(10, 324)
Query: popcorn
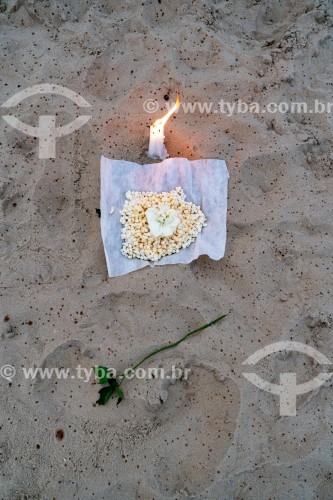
(160, 208)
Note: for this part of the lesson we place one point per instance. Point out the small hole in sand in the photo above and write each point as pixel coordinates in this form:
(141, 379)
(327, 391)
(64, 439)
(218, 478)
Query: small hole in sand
(60, 434)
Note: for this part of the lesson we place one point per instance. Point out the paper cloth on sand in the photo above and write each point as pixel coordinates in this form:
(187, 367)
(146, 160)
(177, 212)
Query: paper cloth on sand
(205, 183)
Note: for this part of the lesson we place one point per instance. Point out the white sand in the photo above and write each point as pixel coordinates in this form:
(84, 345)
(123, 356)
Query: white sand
(215, 436)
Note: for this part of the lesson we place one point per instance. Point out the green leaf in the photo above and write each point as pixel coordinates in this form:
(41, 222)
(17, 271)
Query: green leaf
(105, 394)
(112, 383)
(120, 394)
(102, 373)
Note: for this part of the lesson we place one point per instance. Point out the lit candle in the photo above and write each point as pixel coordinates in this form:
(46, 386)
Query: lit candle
(156, 139)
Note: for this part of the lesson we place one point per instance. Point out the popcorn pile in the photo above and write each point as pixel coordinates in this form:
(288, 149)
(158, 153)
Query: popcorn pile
(144, 211)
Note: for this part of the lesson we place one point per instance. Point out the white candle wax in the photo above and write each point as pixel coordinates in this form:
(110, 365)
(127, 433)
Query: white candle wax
(156, 139)
(156, 142)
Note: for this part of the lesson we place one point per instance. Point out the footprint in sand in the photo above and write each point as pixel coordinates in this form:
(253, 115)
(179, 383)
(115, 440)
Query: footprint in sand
(194, 428)
(66, 391)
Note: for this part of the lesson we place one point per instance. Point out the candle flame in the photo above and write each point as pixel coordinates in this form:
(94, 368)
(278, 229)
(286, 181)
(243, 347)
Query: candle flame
(162, 121)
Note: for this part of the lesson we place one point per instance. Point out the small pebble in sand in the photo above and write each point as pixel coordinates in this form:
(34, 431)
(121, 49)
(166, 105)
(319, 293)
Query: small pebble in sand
(59, 434)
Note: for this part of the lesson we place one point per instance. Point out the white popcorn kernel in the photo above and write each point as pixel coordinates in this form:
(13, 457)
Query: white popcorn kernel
(140, 240)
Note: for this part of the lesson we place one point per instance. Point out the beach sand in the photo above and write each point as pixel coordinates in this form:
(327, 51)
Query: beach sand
(214, 436)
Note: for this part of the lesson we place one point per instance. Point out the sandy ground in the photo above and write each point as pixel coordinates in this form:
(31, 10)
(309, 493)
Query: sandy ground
(215, 436)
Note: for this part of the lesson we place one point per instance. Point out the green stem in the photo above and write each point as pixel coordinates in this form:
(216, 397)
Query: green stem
(170, 346)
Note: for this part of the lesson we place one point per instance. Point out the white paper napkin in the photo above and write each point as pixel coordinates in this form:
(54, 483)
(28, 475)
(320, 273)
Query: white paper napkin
(205, 183)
